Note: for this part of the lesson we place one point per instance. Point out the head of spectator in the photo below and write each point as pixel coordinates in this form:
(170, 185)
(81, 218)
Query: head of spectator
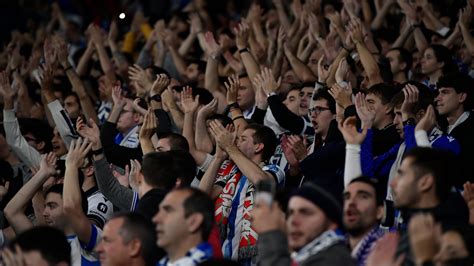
(257, 142)
(128, 239)
(195, 71)
(183, 224)
(37, 133)
(437, 61)
(43, 245)
(72, 105)
(171, 141)
(306, 94)
(378, 98)
(363, 208)
(425, 99)
(454, 96)
(245, 94)
(423, 179)
(53, 208)
(456, 246)
(292, 100)
(59, 147)
(311, 212)
(128, 118)
(322, 112)
(400, 63)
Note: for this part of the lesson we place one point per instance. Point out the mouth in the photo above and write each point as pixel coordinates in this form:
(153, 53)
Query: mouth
(352, 215)
(295, 235)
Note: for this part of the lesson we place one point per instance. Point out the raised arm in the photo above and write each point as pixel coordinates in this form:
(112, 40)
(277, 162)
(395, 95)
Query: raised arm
(303, 72)
(105, 62)
(72, 199)
(242, 36)
(14, 211)
(202, 138)
(214, 51)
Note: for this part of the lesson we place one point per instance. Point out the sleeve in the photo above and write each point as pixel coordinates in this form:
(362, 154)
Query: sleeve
(285, 117)
(276, 172)
(96, 233)
(273, 249)
(203, 167)
(352, 166)
(63, 123)
(144, 58)
(366, 156)
(447, 143)
(421, 138)
(115, 153)
(258, 115)
(17, 142)
(100, 209)
(119, 195)
(410, 140)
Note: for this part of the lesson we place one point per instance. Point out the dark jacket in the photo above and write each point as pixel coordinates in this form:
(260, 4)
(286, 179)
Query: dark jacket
(273, 251)
(464, 134)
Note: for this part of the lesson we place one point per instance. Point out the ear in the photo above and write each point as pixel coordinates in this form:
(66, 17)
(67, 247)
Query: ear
(403, 66)
(194, 222)
(89, 171)
(140, 178)
(388, 109)
(259, 147)
(426, 182)
(134, 247)
(462, 97)
(40, 145)
(178, 183)
(441, 64)
(380, 212)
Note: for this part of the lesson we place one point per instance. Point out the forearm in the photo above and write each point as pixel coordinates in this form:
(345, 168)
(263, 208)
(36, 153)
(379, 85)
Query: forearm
(420, 40)
(186, 44)
(302, 71)
(178, 61)
(84, 62)
(211, 78)
(352, 167)
(248, 168)
(188, 131)
(209, 178)
(331, 80)
(86, 103)
(250, 65)
(177, 116)
(277, 62)
(468, 40)
(105, 62)
(380, 17)
(283, 17)
(203, 142)
(259, 35)
(402, 37)
(366, 12)
(146, 145)
(114, 114)
(369, 64)
(307, 53)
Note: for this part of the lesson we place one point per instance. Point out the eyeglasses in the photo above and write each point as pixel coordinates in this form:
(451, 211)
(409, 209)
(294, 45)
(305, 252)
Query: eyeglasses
(318, 109)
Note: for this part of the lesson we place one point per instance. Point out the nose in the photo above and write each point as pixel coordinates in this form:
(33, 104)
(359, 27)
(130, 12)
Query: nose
(157, 218)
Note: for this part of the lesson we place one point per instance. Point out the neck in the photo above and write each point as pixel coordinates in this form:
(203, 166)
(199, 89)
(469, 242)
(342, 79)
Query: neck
(180, 249)
(400, 77)
(68, 231)
(355, 239)
(143, 188)
(387, 120)
(454, 116)
(89, 183)
(434, 77)
(427, 202)
(125, 131)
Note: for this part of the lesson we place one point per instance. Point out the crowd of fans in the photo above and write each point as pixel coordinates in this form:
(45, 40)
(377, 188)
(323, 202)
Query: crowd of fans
(270, 133)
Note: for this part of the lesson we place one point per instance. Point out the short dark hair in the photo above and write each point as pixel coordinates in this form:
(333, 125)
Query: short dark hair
(136, 226)
(267, 137)
(425, 97)
(461, 83)
(444, 55)
(440, 164)
(55, 250)
(379, 193)
(41, 131)
(323, 94)
(199, 202)
(177, 141)
(201, 65)
(404, 56)
(225, 120)
(162, 169)
(384, 91)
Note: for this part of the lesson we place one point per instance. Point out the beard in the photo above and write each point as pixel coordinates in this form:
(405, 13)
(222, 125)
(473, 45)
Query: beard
(357, 230)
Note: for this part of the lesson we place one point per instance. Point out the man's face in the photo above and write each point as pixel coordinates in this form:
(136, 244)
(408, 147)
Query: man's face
(305, 94)
(170, 221)
(163, 145)
(192, 72)
(429, 63)
(448, 101)
(405, 186)
(314, 59)
(112, 248)
(321, 117)
(33, 142)
(246, 143)
(374, 102)
(59, 148)
(305, 222)
(292, 101)
(398, 121)
(72, 106)
(393, 57)
(245, 94)
(360, 208)
(53, 211)
(127, 119)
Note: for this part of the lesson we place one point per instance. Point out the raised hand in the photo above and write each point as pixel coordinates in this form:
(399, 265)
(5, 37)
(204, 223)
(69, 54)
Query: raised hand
(242, 32)
(137, 107)
(4, 189)
(48, 164)
(113, 32)
(223, 138)
(138, 74)
(149, 125)
(232, 87)
(266, 80)
(342, 70)
(61, 50)
(90, 132)
(298, 146)
(356, 31)
(383, 253)
(342, 95)
(195, 23)
(135, 169)
(212, 47)
(117, 96)
(189, 104)
(6, 89)
(323, 72)
(425, 237)
(350, 133)
(428, 121)
(159, 85)
(366, 114)
(48, 78)
(208, 109)
(468, 196)
(411, 99)
(50, 54)
(123, 179)
(77, 152)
